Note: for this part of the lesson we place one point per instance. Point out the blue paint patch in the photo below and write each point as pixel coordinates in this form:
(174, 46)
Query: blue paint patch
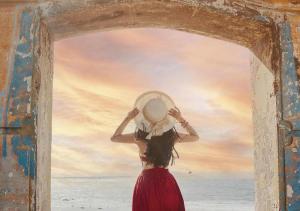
(4, 147)
(262, 18)
(27, 121)
(23, 61)
(292, 174)
(290, 84)
(19, 95)
(290, 110)
(2, 94)
(16, 123)
(288, 158)
(23, 67)
(2, 109)
(294, 206)
(24, 148)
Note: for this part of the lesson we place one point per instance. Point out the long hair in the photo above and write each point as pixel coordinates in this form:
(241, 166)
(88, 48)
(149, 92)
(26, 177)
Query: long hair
(159, 148)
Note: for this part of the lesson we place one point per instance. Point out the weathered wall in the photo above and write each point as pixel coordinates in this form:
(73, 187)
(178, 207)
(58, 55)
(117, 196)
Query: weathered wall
(14, 180)
(295, 32)
(217, 19)
(26, 57)
(44, 78)
(7, 22)
(18, 117)
(291, 110)
(265, 137)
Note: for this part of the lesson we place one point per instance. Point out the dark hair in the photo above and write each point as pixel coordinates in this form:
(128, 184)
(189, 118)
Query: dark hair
(159, 148)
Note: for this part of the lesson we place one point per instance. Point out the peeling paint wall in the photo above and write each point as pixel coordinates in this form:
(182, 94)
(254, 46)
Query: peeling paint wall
(14, 184)
(7, 22)
(18, 157)
(291, 115)
(295, 33)
(26, 57)
(217, 19)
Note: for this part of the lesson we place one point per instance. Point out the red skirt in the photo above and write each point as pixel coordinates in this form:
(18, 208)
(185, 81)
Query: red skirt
(157, 190)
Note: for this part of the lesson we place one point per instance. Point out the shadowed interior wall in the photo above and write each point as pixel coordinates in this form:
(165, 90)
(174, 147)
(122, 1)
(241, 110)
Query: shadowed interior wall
(44, 122)
(264, 129)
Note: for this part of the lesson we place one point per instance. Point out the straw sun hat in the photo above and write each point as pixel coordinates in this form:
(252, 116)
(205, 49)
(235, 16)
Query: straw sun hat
(153, 116)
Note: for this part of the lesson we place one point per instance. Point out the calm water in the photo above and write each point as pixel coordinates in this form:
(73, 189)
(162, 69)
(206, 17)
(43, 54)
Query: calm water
(200, 193)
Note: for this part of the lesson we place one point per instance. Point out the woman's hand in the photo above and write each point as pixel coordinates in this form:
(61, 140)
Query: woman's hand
(192, 136)
(133, 113)
(175, 113)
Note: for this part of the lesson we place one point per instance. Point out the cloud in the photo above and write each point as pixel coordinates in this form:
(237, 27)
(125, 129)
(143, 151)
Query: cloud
(98, 76)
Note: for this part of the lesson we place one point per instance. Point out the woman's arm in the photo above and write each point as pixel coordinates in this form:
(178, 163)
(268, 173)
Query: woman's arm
(125, 138)
(192, 134)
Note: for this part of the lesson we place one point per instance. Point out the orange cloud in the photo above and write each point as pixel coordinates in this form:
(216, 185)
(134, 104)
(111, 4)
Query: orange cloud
(98, 76)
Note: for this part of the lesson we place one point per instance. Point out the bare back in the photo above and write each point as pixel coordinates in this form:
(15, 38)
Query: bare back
(142, 148)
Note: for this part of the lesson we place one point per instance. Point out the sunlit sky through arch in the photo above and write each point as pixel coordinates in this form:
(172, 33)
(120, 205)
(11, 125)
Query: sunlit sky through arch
(98, 76)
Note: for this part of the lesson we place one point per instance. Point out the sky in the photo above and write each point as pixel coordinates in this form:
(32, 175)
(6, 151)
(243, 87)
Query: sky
(98, 76)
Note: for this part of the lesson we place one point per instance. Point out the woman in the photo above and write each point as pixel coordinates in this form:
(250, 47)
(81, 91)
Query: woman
(156, 188)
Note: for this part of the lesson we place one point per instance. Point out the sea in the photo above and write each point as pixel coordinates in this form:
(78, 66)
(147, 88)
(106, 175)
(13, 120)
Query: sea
(211, 192)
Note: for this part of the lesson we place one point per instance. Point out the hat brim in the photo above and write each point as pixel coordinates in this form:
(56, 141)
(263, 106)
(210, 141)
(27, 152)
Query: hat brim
(141, 101)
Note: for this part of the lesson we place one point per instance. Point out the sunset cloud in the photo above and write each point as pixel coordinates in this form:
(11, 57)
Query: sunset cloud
(98, 76)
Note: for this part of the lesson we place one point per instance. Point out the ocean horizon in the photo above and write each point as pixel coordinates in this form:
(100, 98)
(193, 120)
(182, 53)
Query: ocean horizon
(201, 192)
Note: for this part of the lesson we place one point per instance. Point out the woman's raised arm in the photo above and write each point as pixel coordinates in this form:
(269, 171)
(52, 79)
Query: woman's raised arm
(192, 134)
(125, 138)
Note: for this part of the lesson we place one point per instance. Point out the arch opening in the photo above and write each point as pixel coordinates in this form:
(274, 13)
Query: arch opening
(53, 21)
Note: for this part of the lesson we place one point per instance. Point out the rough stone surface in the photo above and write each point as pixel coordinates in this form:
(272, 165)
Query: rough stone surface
(14, 185)
(201, 17)
(265, 137)
(44, 76)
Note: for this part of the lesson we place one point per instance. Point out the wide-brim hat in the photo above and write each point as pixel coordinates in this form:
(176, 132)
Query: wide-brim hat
(153, 116)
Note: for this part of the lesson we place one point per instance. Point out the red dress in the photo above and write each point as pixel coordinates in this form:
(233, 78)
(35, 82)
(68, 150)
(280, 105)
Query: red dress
(157, 190)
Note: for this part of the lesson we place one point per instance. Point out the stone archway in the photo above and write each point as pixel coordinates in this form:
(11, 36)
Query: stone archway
(27, 94)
